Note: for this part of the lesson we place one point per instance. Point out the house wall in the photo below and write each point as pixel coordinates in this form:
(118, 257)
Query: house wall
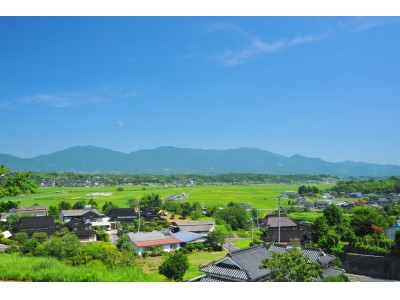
(390, 232)
(373, 266)
(166, 248)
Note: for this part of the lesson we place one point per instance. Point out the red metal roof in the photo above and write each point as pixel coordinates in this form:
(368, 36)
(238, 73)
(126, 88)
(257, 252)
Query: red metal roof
(157, 242)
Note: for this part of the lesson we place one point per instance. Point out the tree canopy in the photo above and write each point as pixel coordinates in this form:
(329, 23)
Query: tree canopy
(292, 266)
(13, 184)
(175, 266)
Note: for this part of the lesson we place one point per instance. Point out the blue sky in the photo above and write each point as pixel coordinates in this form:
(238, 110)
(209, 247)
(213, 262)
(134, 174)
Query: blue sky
(324, 87)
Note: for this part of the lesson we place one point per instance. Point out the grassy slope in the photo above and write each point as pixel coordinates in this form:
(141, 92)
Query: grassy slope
(23, 268)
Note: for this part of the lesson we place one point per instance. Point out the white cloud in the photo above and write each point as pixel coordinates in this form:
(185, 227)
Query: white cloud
(258, 47)
(120, 123)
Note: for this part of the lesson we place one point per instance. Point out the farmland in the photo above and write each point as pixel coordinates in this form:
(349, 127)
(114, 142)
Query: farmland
(262, 197)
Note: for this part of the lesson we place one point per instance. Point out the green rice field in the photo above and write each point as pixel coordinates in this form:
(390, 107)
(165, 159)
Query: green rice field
(262, 197)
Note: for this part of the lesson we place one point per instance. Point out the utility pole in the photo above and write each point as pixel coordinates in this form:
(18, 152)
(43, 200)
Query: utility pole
(139, 221)
(279, 219)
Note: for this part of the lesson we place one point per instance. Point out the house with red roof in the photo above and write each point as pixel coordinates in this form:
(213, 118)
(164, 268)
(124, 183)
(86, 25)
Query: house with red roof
(144, 241)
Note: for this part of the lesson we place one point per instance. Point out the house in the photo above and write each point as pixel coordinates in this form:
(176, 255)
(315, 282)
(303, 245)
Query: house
(33, 211)
(30, 225)
(322, 204)
(243, 265)
(149, 214)
(355, 195)
(144, 241)
(289, 229)
(289, 194)
(382, 202)
(83, 230)
(122, 215)
(88, 215)
(390, 232)
(200, 227)
(301, 200)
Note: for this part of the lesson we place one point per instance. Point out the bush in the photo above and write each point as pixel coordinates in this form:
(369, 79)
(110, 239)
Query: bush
(148, 229)
(12, 249)
(145, 254)
(40, 236)
(199, 246)
(21, 237)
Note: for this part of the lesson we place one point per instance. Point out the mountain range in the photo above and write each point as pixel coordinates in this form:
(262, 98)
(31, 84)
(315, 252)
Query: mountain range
(172, 160)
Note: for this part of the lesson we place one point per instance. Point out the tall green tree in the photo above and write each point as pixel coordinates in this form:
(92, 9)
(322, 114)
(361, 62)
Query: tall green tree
(175, 266)
(333, 215)
(16, 183)
(292, 266)
(216, 239)
(234, 215)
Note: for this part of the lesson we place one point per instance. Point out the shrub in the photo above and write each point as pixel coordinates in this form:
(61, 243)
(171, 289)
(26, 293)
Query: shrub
(145, 254)
(175, 266)
(29, 246)
(21, 237)
(148, 229)
(12, 249)
(159, 228)
(40, 236)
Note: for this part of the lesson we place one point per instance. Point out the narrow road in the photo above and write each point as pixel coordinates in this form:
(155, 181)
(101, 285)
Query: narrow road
(360, 278)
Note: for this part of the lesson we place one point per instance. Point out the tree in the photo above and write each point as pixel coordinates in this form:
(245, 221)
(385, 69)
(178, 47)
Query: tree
(292, 266)
(175, 266)
(124, 243)
(16, 183)
(53, 211)
(6, 206)
(107, 207)
(64, 205)
(364, 217)
(151, 201)
(93, 204)
(319, 228)
(21, 237)
(216, 239)
(234, 215)
(79, 205)
(333, 215)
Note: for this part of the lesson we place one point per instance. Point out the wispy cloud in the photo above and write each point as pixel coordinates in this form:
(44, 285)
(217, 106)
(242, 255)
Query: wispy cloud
(71, 99)
(254, 46)
(6, 105)
(120, 123)
(63, 100)
(258, 47)
(359, 24)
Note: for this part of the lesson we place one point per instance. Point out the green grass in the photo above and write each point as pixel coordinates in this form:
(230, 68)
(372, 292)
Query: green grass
(242, 243)
(306, 216)
(22, 268)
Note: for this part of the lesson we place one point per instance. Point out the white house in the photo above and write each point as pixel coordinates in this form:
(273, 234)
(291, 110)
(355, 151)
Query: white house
(144, 241)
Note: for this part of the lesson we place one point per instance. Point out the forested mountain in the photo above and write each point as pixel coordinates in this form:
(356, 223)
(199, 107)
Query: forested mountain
(171, 160)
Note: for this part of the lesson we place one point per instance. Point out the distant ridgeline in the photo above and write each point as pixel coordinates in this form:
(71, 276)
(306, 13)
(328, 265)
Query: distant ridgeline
(171, 160)
(79, 179)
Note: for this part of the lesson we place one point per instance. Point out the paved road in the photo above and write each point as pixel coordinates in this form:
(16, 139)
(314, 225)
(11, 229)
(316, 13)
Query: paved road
(360, 278)
(3, 247)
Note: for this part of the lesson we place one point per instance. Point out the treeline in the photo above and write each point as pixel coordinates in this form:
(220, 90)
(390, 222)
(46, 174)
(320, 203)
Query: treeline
(69, 178)
(370, 186)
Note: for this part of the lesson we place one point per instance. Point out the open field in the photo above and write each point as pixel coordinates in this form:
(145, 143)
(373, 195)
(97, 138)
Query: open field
(263, 196)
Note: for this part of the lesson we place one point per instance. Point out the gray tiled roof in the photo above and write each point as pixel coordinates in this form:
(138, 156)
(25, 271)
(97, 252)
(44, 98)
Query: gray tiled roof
(225, 272)
(272, 221)
(148, 236)
(78, 212)
(200, 226)
(250, 260)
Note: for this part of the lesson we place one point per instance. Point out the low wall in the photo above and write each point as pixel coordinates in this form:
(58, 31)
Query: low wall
(373, 266)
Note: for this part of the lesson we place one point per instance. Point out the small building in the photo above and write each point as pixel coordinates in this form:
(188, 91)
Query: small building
(322, 204)
(144, 241)
(200, 227)
(122, 215)
(88, 215)
(83, 230)
(33, 211)
(355, 195)
(30, 225)
(150, 214)
(382, 202)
